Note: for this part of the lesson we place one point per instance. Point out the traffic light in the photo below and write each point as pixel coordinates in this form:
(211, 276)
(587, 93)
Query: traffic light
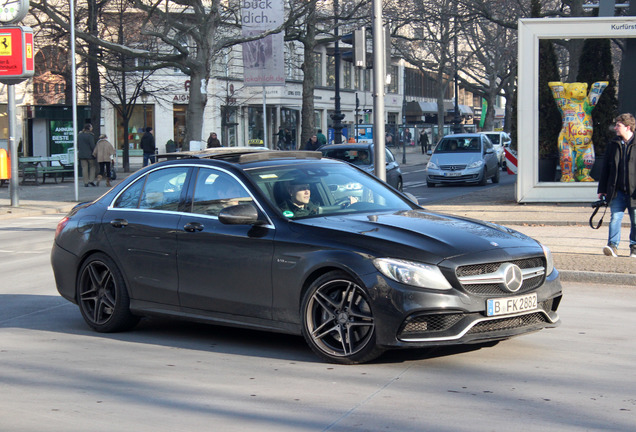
(358, 53)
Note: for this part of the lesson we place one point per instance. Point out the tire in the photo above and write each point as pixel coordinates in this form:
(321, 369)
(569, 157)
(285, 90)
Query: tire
(337, 320)
(102, 296)
(484, 179)
(429, 184)
(400, 186)
(495, 178)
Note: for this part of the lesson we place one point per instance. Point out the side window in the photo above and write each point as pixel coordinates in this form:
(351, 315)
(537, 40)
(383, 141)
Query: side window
(130, 197)
(159, 190)
(214, 190)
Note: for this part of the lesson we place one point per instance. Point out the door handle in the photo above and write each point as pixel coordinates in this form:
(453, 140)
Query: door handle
(119, 223)
(193, 226)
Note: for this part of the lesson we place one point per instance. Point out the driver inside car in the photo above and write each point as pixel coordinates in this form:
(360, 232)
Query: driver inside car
(299, 204)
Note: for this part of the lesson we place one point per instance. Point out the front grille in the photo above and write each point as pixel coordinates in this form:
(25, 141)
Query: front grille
(489, 289)
(425, 324)
(508, 323)
(452, 167)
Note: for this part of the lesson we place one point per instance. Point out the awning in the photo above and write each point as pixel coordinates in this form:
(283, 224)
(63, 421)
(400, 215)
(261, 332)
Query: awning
(418, 109)
(464, 110)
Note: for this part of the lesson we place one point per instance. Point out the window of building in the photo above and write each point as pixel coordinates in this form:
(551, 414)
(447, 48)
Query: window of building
(318, 69)
(346, 75)
(395, 78)
(142, 116)
(331, 71)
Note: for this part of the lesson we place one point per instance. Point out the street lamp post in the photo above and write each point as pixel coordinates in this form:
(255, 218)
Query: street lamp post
(337, 115)
(457, 118)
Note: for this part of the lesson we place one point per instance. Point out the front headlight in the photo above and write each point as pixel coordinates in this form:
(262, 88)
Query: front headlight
(412, 273)
(476, 164)
(432, 165)
(549, 262)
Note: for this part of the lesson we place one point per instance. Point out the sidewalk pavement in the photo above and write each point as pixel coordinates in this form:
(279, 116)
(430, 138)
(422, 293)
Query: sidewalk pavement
(562, 227)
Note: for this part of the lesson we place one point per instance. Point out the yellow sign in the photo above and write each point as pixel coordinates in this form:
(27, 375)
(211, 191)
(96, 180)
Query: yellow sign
(5, 44)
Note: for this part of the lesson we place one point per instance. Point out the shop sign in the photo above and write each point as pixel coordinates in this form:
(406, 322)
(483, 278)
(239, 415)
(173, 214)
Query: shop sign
(16, 54)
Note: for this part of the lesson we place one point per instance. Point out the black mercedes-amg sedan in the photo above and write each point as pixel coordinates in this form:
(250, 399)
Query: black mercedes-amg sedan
(293, 242)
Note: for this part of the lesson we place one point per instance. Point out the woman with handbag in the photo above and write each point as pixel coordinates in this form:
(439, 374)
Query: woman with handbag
(104, 153)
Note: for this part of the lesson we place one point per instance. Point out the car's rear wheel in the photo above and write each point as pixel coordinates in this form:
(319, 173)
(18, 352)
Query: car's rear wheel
(399, 186)
(495, 178)
(337, 320)
(102, 296)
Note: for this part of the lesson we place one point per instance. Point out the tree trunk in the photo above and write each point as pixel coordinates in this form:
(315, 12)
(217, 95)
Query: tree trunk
(307, 117)
(95, 98)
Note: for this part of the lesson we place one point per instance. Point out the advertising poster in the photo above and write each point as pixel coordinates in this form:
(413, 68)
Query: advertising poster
(263, 59)
(61, 133)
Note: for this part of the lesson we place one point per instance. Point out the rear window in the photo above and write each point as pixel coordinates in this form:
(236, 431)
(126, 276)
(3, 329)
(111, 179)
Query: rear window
(353, 156)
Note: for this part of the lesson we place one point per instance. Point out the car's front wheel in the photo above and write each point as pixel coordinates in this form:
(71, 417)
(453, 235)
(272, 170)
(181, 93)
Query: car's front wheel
(338, 322)
(102, 296)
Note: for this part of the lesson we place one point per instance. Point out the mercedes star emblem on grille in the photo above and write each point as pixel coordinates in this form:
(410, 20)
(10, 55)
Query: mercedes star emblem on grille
(513, 278)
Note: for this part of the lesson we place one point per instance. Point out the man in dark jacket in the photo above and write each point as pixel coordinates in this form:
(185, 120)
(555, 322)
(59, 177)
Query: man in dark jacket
(147, 145)
(617, 184)
(85, 147)
(213, 141)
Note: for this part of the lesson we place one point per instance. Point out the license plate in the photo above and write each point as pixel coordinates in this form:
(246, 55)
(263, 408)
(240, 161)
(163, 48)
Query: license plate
(511, 305)
(452, 174)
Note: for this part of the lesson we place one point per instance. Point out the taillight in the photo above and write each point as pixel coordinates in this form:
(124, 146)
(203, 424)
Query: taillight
(61, 225)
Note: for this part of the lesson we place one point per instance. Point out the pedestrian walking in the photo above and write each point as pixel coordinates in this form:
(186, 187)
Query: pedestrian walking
(104, 154)
(617, 184)
(213, 141)
(312, 143)
(424, 141)
(147, 145)
(85, 148)
(322, 139)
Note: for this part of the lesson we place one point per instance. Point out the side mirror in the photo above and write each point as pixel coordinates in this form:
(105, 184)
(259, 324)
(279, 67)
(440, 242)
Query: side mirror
(242, 214)
(412, 197)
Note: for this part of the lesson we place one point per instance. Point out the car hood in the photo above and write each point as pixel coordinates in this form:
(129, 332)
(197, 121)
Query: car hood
(455, 158)
(422, 235)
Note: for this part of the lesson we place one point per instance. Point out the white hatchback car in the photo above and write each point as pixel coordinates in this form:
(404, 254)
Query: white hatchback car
(499, 140)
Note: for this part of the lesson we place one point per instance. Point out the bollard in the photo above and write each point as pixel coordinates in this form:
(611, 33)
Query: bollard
(5, 165)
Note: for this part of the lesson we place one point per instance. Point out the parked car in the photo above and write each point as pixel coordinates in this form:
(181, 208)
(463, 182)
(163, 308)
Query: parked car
(463, 158)
(362, 155)
(357, 269)
(500, 140)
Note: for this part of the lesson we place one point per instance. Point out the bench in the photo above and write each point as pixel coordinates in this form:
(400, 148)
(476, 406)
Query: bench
(31, 168)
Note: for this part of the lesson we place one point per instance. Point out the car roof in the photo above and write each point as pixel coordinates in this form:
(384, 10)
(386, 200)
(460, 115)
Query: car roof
(359, 145)
(463, 135)
(241, 155)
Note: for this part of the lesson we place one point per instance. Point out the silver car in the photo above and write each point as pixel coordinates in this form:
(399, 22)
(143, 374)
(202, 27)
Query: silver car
(463, 158)
(500, 140)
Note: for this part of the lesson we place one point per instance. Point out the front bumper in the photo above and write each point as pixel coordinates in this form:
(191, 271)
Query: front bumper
(463, 176)
(410, 317)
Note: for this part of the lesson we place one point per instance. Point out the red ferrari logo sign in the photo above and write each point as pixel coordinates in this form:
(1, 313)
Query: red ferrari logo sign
(16, 52)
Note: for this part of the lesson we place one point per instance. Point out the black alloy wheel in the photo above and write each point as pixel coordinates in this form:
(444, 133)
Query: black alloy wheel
(102, 296)
(338, 322)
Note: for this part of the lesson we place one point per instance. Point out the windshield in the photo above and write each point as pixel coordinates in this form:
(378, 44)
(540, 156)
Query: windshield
(316, 189)
(353, 156)
(459, 145)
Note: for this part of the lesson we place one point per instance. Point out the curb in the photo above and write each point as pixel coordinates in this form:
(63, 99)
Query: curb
(598, 277)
